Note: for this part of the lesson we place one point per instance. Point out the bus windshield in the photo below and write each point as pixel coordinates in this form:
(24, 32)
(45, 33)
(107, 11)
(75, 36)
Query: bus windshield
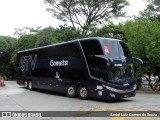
(115, 49)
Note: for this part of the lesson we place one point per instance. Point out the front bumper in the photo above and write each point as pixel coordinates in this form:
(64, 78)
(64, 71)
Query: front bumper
(112, 93)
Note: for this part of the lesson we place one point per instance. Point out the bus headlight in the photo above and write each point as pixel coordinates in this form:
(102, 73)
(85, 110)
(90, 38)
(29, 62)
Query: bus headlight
(110, 88)
(120, 91)
(112, 95)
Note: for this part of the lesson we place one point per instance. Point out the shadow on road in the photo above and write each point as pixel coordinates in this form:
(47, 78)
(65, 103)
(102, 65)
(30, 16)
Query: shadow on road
(90, 99)
(111, 101)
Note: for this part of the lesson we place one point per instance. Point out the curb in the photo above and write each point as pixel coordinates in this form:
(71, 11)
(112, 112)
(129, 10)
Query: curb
(150, 92)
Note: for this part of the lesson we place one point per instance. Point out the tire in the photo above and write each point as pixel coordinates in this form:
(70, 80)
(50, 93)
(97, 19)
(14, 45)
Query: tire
(30, 85)
(70, 91)
(82, 92)
(26, 84)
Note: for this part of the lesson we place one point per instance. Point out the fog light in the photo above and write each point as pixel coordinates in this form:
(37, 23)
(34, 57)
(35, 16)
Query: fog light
(135, 86)
(112, 95)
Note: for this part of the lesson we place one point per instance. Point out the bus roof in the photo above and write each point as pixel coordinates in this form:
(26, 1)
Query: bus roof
(71, 41)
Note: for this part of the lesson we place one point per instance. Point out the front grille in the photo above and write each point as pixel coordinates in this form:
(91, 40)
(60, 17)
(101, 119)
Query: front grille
(122, 74)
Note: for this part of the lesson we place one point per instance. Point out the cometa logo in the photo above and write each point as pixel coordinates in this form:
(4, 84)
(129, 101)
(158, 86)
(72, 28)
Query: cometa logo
(27, 62)
(59, 63)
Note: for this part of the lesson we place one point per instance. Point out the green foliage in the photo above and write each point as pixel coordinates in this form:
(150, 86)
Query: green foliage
(45, 36)
(26, 30)
(110, 30)
(23, 43)
(143, 39)
(6, 43)
(50, 35)
(64, 33)
(6, 50)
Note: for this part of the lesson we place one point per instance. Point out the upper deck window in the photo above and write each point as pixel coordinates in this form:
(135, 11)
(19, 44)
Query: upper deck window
(92, 47)
(115, 49)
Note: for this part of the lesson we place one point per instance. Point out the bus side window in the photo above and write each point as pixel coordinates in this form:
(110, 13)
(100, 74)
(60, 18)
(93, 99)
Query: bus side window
(72, 50)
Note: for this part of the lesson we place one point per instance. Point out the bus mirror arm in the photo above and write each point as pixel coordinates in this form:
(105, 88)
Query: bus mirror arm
(109, 60)
(138, 60)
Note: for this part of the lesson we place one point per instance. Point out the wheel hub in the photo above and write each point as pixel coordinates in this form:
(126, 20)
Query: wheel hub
(71, 91)
(83, 92)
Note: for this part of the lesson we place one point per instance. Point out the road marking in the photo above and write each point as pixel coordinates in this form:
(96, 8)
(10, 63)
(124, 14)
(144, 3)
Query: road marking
(76, 113)
(93, 109)
(104, 109)
(117, 118)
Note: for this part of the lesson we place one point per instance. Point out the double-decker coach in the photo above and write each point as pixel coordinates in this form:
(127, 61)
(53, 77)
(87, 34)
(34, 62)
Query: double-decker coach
(89, 67)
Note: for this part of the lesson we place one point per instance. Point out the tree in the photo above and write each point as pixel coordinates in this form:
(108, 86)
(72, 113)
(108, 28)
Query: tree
(85, 13)
(143, 39)
(110, 30)
(6, 50)
(26, 30)
(153, 9)
(45, 37)
(23, 43)
(64, 33)
(51, 35)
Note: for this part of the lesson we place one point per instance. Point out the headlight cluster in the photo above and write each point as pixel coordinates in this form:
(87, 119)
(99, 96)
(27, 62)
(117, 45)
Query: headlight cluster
(120, 71)
(119, 91)
(110, 88)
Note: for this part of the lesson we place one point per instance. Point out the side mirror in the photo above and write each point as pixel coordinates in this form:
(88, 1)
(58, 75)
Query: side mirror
(138, 60)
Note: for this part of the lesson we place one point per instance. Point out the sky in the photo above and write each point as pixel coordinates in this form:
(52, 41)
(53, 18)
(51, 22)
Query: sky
(32, 13)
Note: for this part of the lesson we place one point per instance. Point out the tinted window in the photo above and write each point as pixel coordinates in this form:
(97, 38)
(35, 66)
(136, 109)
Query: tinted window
(91, 47)
(58, 51)
(97, 66)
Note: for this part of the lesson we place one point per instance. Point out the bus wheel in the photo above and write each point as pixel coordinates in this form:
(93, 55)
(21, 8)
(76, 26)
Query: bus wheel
(26, 84)
(70, 91)
(30, 85)
(82, 92)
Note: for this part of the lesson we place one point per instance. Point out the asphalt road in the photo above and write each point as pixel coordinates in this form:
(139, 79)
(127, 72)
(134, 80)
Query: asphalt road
(16, 98)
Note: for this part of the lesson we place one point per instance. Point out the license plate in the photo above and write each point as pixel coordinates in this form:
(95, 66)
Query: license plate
(126, 95)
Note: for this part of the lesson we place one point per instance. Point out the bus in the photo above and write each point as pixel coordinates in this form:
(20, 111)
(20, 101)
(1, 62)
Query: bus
(89, 67)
